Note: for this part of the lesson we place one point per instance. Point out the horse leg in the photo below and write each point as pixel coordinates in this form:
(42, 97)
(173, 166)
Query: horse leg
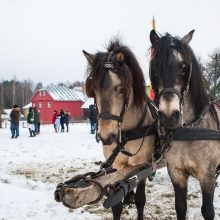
(117, 210)
(208, 188)
(179, 181)
(140, 199)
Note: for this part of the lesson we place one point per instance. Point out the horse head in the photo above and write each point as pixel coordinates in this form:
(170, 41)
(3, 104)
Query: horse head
(110, 82)
(174, 74)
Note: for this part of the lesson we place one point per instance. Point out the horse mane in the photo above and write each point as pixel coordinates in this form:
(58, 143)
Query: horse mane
(163, 56)
(128, 71)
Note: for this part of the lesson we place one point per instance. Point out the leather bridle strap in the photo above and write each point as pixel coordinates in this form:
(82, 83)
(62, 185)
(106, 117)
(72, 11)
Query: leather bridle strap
(170, 91)
(107, 116)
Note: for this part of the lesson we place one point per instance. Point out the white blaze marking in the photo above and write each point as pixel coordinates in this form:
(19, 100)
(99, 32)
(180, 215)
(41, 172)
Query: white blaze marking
(168, 107)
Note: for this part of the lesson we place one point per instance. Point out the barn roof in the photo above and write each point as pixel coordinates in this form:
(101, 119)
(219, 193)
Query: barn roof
(63, 93)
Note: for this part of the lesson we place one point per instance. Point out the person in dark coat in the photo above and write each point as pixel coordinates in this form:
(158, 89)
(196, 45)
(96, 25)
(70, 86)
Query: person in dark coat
(31, 122)
(67, 120)
(54, 119)
(15, 118)
(36, 120)
(92, 118)
(62, 119)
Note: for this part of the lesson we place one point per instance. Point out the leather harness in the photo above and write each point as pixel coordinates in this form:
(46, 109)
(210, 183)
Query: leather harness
(115, 193)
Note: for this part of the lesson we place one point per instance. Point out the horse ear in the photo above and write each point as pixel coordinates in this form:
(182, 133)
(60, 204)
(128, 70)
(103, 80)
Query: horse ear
(187, 38)
(120, 57)
(90, 57)
(154, 38)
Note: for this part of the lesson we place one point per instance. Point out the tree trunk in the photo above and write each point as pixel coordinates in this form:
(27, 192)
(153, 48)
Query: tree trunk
(77, 197)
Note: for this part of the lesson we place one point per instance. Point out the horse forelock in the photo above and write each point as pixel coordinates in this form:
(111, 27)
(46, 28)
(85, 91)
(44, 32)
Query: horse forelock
(164, 56)
(129, 72)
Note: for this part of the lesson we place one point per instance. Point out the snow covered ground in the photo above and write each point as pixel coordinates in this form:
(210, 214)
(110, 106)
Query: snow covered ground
(30, 169)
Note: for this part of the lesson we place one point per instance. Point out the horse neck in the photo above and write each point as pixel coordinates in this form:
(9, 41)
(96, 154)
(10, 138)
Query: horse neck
(133, 116)
(188, 111)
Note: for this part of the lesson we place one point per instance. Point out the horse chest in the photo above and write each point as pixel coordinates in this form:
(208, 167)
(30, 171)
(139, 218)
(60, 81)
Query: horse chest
(143, 153)
(182, 155)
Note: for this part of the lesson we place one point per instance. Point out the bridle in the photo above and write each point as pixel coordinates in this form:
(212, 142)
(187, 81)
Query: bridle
(106, 115)
(181, 95)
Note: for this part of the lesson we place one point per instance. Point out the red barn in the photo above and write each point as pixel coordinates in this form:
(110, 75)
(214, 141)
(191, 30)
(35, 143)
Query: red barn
(54, 97)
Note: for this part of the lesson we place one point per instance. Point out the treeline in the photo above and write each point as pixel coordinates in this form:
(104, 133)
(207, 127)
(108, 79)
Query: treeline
(211, 72)
(20, 92)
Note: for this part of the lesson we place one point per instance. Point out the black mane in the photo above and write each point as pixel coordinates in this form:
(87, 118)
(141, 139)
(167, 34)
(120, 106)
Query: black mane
(163, 56)
(128, 71)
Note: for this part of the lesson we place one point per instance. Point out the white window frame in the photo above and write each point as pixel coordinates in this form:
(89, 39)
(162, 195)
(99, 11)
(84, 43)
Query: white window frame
(48, 104)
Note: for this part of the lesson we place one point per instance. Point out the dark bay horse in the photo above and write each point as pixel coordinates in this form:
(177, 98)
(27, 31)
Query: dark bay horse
(184, 104)
(116, 82)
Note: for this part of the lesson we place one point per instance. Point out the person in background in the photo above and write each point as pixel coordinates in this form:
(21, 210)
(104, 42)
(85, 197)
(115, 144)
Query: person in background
(62, 119)
(15, 118)
(38, 124)
(31, 122)
(54, 119)
(57, 123)
(36, 120)
(92, 118)
(67, 120)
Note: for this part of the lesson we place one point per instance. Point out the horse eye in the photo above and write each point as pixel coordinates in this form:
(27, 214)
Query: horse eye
(121, 90)
(183, 68)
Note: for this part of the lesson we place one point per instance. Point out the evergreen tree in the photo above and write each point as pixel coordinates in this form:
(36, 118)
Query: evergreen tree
(212, 73)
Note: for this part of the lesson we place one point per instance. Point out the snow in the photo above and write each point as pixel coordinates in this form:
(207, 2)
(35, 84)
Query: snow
(27, 106)
(88, 102)
(30, 169)
(8, 111)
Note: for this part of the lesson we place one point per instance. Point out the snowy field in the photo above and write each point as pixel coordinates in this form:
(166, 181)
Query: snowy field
(30, 169)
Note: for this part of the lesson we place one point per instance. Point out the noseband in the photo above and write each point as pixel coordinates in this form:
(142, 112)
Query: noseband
(108, 116)
(170, 91)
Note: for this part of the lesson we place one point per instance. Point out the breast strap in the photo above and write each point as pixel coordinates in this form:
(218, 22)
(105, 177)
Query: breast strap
(194, 134)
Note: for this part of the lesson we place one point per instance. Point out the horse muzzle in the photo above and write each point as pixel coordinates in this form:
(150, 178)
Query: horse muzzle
(170, 121)
(112, 137)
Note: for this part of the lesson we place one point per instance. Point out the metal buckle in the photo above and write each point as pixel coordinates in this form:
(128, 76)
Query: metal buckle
(119, 130)
(108, 65)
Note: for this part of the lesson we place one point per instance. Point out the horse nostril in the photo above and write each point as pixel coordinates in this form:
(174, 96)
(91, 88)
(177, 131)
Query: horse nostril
(161, 116)
(176, 115)
(98, 135)
(109, 140)
(112, 138)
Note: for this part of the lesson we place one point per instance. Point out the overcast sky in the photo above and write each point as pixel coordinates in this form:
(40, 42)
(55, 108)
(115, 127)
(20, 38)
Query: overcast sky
(43, 39)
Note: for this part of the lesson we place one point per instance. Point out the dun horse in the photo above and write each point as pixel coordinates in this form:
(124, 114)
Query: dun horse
(116, 82)
(183, 103)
